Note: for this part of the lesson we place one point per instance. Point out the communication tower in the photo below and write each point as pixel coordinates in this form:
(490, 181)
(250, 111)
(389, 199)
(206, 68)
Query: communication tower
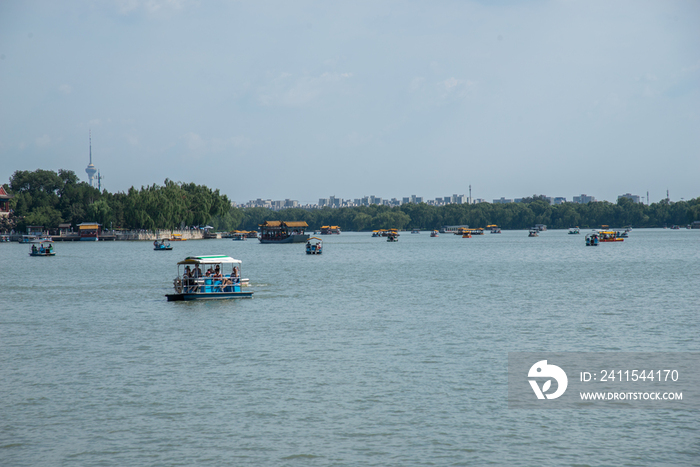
(91, 170)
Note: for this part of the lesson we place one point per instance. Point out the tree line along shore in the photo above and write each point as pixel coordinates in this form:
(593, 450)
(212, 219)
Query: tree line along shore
(49, 198)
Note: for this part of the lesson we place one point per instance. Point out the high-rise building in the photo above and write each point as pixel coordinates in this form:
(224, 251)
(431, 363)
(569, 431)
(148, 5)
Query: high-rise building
(584, 199)
(634, 198)
(91, 171)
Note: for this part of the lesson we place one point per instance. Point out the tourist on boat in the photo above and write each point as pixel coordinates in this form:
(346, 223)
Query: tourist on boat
(217, 273)
(187, 280)
(208, 273)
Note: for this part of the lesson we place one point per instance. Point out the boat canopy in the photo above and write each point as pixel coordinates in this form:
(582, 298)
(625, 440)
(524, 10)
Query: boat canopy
(271, 224)
(296, 224)
(284, 223)
(316, 238)
(215, 259)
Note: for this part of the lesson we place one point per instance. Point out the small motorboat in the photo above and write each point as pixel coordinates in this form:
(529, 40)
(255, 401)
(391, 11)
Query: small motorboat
(221, 281)
(434, 233)
(160, 245)
(314, 246)
(415, 231)
(574, 231)
(534, 232)
(43, 249)
(592, 239)
(392, 237)
(467, 235)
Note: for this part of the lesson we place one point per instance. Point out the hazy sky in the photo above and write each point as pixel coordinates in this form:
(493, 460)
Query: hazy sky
(302, 100)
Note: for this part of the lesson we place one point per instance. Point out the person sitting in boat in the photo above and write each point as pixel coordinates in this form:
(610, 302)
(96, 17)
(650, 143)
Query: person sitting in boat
(187, 281)
(155, 243)
(34, 249)
(234, 275)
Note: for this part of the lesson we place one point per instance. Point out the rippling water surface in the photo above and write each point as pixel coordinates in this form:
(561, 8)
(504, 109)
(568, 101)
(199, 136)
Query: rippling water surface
(374, 353)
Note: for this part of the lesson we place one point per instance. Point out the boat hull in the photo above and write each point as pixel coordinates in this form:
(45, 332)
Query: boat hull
(186, 297)
(163, 249)
(42, 254)
(290, 239)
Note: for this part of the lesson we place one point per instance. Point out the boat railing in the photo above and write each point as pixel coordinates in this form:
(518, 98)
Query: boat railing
(206, 284)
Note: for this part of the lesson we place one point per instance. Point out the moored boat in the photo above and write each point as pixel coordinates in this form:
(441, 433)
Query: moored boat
(44, 248)
(314, 246)
(35, 234)
(34, 239)
(177, 238)
(222, 280)
(90, 231)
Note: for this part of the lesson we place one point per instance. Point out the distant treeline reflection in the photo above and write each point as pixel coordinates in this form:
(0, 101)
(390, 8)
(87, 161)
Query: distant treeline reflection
(48, 198)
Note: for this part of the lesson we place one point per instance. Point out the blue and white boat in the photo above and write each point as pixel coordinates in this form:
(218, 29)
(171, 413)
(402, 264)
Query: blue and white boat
(45, 248)
(314, 246)
(208, 278)
(160, 245)
(592, 239)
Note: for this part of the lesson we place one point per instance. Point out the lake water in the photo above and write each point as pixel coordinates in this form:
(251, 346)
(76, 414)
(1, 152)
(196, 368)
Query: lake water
(374, 353)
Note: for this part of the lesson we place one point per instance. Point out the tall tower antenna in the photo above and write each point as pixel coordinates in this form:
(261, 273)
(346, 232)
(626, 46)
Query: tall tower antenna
(647, 197)
(470, 193)
(91, 170)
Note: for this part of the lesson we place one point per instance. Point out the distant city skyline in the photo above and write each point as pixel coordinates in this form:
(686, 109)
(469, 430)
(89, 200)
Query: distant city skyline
(337, 202)
(292, 100)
